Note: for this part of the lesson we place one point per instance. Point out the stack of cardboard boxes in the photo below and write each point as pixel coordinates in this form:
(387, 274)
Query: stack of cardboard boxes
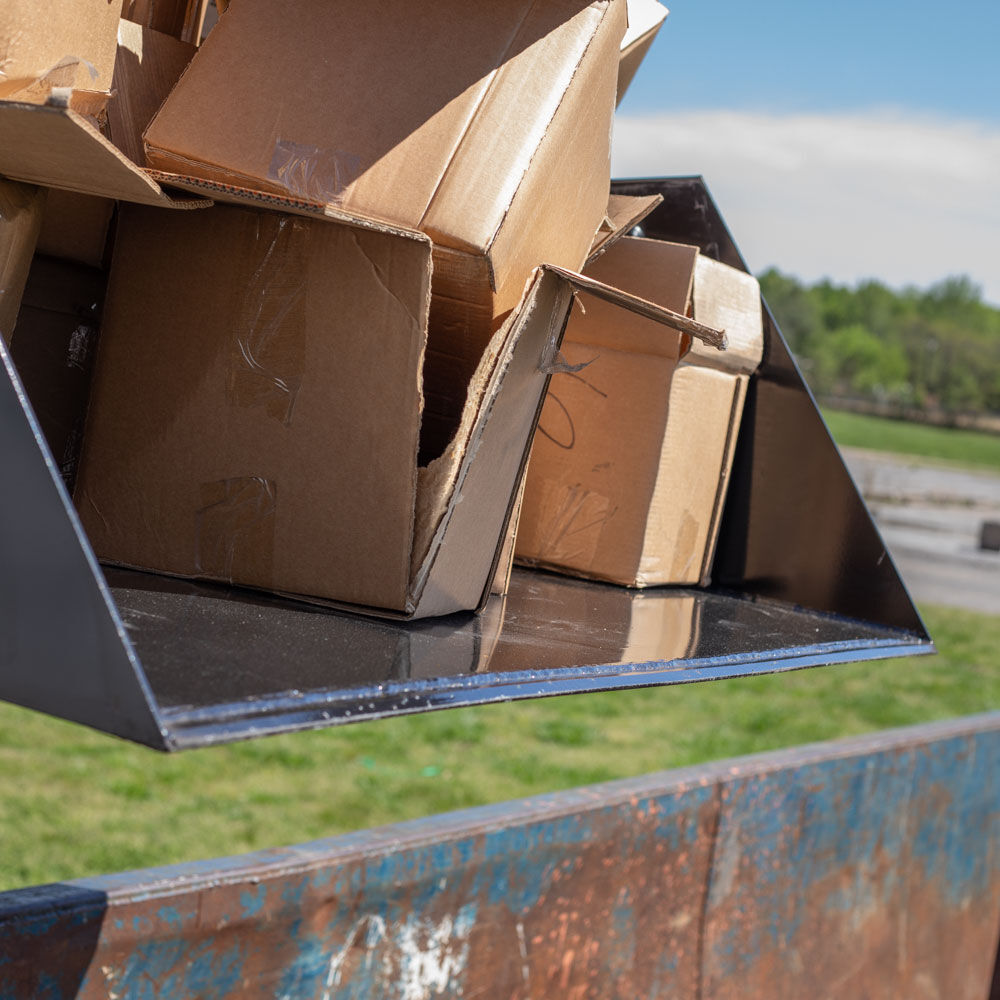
(306, 284)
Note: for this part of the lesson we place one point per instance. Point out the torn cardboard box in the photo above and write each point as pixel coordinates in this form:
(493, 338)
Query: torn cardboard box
(21, 207)
(485, 126)
(634, 446)
(645, 18)
(263, 427)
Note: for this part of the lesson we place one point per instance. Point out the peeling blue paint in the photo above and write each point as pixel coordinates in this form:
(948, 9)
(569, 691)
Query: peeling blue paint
(829, 839)
(253, 900)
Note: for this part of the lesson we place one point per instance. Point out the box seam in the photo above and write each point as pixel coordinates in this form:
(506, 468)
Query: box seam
(527, 168)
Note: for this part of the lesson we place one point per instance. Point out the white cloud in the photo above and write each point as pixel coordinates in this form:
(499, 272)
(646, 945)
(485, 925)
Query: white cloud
(848, 196)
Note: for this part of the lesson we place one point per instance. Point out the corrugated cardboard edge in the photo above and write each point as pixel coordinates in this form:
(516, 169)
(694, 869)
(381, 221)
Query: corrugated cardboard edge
(433, 590)
(233, 194)
(624, 214)
(56, 147)
(505, 566)
(608, 12)
(723, 295)
(735, 419)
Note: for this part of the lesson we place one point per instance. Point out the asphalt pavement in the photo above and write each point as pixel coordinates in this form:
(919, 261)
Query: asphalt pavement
(930, 516)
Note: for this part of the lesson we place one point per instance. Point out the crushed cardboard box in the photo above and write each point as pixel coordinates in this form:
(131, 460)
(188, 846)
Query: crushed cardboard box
(628, 471)
(485, 126)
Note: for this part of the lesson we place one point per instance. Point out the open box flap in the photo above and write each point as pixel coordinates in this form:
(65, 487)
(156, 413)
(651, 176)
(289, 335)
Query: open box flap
(467, 546)
(56, 147)
(624, 214)
(729, 298)
(645, 18)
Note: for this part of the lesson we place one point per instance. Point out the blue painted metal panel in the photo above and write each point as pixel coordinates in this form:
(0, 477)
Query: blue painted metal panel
(865, 868)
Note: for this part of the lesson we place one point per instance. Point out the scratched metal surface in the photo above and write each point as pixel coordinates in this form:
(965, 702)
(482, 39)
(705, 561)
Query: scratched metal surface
(866, 868)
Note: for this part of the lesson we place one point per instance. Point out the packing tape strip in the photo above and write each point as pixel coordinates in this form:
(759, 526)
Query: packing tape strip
(235, 530)
(317, 175)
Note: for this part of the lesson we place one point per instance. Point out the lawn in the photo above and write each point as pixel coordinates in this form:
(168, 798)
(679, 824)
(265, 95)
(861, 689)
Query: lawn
(76, 803)
(975, 449)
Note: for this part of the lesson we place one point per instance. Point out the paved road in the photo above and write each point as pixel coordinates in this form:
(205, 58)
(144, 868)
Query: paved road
(930, 518)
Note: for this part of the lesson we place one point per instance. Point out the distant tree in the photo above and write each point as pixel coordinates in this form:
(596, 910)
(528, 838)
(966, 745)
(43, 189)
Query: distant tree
(938, 346)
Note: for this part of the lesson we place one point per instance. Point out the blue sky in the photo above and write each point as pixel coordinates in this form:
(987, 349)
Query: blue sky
(848, 140)
(941, 58)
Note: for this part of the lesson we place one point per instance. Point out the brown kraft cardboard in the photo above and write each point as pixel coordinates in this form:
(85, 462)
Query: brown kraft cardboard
(635, 442)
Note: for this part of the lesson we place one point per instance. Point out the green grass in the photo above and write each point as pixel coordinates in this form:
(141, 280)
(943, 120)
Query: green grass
(975, 449)
(75, 803)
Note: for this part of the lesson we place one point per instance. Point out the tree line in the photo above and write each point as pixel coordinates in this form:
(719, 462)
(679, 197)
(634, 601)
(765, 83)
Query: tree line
(936, 348)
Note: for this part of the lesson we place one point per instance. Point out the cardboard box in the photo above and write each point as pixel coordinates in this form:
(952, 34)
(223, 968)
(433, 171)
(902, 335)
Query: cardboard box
(263, 427)
(645, 18)
(53, 347)
(43, 46)
(58, 145)
(634, 446)
(485, 126)
(21, 207)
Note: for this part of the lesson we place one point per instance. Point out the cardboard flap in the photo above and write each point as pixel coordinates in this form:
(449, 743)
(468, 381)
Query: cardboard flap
(231, 194)
(624, 214)
(464, 554)
(645, 18)
(699, 331)
(727, 297)
(56, 147)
